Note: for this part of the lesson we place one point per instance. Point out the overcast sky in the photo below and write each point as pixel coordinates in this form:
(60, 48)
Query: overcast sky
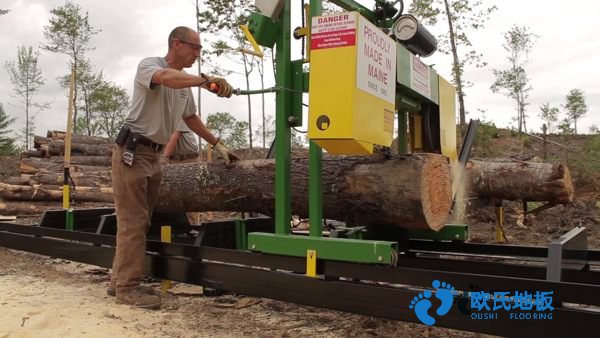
(565, 56)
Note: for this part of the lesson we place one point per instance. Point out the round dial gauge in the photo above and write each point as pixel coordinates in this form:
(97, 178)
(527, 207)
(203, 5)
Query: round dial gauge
(405, 27)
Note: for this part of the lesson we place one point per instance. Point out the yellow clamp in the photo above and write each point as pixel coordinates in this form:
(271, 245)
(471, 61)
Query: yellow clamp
(256, 48)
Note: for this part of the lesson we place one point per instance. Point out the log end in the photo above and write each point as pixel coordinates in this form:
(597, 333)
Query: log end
(569, 195)
(436, 189)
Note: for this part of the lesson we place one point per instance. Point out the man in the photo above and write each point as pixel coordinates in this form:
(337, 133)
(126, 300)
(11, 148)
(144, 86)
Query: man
(161, 92)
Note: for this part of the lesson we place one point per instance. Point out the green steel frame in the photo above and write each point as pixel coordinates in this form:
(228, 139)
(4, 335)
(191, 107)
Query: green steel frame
(290, 82)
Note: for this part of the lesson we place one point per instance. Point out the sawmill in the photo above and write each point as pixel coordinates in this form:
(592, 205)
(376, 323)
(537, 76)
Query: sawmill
(379, 188)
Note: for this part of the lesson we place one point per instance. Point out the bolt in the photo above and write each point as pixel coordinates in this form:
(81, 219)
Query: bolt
(253, 246)
(380, 258)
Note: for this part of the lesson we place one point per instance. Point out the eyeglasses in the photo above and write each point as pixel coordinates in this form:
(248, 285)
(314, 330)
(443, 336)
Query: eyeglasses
(193, 45)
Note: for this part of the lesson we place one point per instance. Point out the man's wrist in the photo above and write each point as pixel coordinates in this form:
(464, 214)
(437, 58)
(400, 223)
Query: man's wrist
(216, 142)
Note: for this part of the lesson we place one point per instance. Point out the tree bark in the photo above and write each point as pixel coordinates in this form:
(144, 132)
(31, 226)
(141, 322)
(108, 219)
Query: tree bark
(524, 181)
(405, 191)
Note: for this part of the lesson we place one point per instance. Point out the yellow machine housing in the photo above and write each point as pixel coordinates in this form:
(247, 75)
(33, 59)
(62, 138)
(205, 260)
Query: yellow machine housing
(360, 78)
(352, 85)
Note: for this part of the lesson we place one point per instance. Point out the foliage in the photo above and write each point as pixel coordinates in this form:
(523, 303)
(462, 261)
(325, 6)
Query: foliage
(26, 78)
(514, 81)
(7, 145)
(575, 106)
(463, 17)
(589, 163)
(487, 130)
(69, 32)
(549, 115)
(108, 105)
(223, 18)
(594, 129)
(227, 128)
(4, 11)
(565, 128)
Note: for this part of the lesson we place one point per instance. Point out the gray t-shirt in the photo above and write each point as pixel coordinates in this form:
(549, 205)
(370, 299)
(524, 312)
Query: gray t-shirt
(154, 108)
(187, 143)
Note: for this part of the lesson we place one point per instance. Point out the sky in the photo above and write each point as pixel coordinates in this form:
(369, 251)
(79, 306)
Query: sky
(564, 57)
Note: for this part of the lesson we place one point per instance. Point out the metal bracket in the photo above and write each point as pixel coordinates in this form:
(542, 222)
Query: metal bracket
(558, 251)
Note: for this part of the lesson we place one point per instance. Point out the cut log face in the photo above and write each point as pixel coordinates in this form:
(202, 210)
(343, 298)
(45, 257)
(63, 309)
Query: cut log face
(521, 181)
(406, 191)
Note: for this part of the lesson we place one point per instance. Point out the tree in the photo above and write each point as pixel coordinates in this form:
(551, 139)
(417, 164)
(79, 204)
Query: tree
(108, 105)
(462, 16)
(69, 32)
(4, 11)
(223, 18)
(594, 129)
(575, 106)
(6, 142)
(227, 128)
(565, 127)
(549, 115)
(26, 78)
(514, 81)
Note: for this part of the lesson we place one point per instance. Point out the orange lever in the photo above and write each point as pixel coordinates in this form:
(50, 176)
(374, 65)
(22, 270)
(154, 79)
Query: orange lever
(213, 87)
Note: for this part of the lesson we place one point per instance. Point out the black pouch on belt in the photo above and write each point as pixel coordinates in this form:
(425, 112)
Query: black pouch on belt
(122, 136)
(127, 156)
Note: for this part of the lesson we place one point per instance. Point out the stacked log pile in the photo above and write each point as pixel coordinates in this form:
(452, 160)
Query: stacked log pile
(39, 187)
(412, 191)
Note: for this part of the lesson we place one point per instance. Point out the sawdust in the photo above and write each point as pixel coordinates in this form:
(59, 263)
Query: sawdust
(45, 297)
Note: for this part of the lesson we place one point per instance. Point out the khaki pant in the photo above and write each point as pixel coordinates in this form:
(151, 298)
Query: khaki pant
(135, 191)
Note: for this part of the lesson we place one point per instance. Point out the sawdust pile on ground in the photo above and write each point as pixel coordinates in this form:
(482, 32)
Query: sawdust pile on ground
(45, 297)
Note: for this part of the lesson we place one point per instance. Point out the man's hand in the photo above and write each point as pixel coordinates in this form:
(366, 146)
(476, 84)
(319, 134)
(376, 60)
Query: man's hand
(225, 89)
(225, 153)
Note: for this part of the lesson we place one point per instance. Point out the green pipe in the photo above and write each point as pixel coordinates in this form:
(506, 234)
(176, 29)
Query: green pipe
(315, 164)
(253, 92)
(351, 5)
(283, 79)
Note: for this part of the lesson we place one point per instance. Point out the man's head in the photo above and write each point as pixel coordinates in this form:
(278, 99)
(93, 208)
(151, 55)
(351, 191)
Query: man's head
(184, 46)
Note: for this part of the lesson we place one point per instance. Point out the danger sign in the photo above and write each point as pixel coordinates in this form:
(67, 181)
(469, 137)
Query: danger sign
(338, 30)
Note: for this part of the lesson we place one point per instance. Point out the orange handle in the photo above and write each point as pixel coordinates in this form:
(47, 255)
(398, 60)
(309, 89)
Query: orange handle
(213, 87)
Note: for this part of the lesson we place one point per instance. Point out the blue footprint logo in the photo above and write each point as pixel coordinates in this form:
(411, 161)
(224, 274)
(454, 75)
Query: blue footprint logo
(422, 303)
(445, 293)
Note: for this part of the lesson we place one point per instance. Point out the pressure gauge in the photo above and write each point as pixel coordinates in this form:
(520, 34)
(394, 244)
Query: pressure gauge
(414, 36)
(405, 27)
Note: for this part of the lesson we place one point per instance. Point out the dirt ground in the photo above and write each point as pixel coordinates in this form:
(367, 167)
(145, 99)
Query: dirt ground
(46, 297)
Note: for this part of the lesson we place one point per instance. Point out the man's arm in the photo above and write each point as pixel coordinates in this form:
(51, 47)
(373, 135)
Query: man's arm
(175, 79)
(197, 126)
(170, 147)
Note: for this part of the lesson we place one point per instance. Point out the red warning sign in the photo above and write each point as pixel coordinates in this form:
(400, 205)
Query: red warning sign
(338, 30)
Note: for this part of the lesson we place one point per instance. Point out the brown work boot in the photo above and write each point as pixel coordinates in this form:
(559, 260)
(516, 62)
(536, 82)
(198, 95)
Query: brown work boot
(138, 297)
(112, 291)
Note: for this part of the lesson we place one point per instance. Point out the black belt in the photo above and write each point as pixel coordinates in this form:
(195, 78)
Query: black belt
(139, 139)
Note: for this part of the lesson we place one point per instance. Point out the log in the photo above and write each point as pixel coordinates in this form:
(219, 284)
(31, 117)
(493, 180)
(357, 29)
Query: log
(524, 181)
(84, 179)
(33, 165)
(59, 135)
(37, 208)
(57, 147)
(404, 191)
(53, 193)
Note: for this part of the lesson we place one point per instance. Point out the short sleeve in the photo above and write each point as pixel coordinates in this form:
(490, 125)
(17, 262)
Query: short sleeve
(182, 127)
(146, 70)
(190, 106)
